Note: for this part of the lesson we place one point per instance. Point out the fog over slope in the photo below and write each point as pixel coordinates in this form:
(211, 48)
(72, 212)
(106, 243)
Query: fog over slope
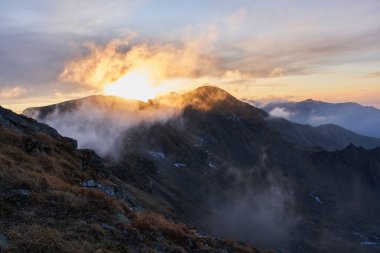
(99, 122)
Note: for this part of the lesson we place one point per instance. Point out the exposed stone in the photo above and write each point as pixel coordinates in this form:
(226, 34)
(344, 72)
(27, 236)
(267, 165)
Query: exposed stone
(109, 190)
(124, 195)
(23, 124)
(33, 146)
(122, 218)
(107, 226)
(160, 247)
(4, 242)
(22, 192)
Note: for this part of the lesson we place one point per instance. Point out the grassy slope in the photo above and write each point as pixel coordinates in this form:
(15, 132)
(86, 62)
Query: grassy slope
(44, 208)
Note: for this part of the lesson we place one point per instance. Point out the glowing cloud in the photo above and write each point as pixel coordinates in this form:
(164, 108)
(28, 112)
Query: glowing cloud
(135, 71)
(12, 92)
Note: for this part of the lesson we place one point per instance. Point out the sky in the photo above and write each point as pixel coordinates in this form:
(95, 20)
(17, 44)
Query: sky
(55, 50)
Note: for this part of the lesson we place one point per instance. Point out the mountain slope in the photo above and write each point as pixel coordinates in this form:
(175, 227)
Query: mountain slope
(224, 169)
(329, 137)
(56, 198)
(364, 120)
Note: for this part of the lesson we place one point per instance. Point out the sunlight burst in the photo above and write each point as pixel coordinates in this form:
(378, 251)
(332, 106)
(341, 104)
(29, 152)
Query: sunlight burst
(135, 84)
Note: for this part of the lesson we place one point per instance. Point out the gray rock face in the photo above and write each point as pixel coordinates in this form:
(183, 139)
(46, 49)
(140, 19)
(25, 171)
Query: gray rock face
(22, 192)
(109, 190)
(20, 123)
(4, 242)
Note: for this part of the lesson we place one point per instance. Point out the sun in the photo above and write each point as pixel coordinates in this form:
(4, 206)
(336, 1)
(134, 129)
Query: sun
(135, 84)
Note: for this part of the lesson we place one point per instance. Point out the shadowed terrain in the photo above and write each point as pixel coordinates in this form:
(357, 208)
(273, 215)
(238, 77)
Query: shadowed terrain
(57, 198)
(225, 169)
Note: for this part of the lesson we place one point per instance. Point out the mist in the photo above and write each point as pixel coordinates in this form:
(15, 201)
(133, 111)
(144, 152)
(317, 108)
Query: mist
(260, 208)
(100, 122)
(364, 120)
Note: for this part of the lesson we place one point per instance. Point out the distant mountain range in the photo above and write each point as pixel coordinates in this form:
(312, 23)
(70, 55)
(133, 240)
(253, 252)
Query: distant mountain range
(364, 120)
(233, 171)
(132, 112)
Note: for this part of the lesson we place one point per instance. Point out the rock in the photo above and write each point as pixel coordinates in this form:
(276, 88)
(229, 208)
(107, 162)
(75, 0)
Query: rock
(22, 192)
(107, 226)
(124, 195)
(73, 143)
(160, 247)
(109, 190)
(32, 146)
(89, 183)
(23, 124)
(91, 159)
(4, 242)
(122, 218)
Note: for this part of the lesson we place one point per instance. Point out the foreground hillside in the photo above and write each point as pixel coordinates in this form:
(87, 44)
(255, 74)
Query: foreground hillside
(223, 168)
(57, 198)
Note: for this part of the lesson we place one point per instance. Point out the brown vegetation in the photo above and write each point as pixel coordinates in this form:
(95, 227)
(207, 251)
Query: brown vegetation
(44, 208)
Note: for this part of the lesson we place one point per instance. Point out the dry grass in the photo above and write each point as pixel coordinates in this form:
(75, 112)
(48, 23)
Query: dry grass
(61, 216)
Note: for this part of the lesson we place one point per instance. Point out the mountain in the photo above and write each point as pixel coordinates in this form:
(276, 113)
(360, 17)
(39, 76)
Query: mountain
(223, 168)
(330, 137)
(364, 120)
(57, 198)
(128, 113)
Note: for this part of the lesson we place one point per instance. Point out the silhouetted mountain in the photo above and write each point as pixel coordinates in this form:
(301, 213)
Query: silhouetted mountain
(364, 120)
(329, 137)
(56, 198)
(224, 169)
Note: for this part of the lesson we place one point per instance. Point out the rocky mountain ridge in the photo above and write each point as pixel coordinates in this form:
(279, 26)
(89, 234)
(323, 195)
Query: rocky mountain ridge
(225, 170)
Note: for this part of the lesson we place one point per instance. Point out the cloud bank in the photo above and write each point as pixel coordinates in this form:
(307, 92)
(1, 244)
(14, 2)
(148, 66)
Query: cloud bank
(12, 92)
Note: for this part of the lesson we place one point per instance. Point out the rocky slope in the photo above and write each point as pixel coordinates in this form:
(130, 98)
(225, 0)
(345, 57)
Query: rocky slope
(224, 169)
(57, 198)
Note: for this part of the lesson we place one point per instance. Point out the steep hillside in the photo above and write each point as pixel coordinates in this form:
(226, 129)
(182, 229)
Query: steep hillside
(57, 198)
(225, 170)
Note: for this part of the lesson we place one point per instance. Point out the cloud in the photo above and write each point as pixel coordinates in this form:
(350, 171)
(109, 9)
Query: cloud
(70, 16)
(299, 53)
(280, 113)
(108, 63)
(103, 118)
(259, 212)
(372, 75)
(12, 92)
(187, 63)
(277, 72)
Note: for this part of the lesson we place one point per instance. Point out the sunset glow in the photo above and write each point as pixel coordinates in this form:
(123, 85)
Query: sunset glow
(295, 50)
(136, 84)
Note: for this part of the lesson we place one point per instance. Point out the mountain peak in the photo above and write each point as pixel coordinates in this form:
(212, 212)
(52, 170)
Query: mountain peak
(309, 101)
(206, 97)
